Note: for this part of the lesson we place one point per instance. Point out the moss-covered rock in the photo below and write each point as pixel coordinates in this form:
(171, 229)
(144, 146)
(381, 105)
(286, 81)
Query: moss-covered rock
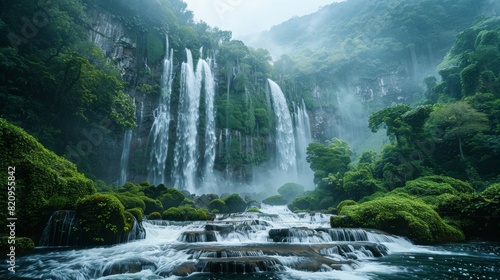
(154, 216)
(171, 198)
(218, 206)
(137, 212)
(185, 213)
(290, 191)
(400, 215)
(102, 219)
(152, 205)
(235, 203)
(42, 181)
(130, 201)
(275, 200)
(344, 203)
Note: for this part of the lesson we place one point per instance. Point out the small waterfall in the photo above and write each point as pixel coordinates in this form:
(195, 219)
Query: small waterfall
(127, 140)
(159, 132)
(285, 141)
(187, 153)
(60, 229)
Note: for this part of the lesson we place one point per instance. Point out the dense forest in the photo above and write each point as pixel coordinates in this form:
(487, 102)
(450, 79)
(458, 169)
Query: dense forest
(425, 73)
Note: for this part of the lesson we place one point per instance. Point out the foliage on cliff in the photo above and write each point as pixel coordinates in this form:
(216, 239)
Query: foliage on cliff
(42, 181)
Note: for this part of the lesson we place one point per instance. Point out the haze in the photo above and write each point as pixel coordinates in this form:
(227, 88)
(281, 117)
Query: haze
(244, 17)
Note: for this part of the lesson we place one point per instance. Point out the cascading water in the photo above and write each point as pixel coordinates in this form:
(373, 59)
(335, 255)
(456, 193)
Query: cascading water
(285, 141)
(302, 139)
(273, 244)
(159, 133)
(127, 140)
(210, 138)
(187, 153)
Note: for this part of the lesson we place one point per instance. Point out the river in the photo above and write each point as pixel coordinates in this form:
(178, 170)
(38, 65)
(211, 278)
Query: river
(275, 244)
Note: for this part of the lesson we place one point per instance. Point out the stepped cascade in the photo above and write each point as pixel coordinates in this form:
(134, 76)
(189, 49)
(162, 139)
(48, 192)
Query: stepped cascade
(274, 241)
(159, 133)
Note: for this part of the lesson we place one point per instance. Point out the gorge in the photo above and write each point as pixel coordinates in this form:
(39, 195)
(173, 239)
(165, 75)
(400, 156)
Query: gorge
(361, 141)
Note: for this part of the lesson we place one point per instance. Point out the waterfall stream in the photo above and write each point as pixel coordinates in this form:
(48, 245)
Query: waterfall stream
(273, 244)
(159, 133)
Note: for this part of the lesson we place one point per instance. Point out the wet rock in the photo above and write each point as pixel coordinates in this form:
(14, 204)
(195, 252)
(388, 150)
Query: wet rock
(198, 236)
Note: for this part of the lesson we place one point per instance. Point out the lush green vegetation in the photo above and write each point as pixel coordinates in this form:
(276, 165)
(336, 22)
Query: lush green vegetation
(399, 215)
(43, 181)
(437, 177)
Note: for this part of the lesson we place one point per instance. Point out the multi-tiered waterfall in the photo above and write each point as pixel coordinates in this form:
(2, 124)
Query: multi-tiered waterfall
(187, 155)
(273, 244)
(159, 133)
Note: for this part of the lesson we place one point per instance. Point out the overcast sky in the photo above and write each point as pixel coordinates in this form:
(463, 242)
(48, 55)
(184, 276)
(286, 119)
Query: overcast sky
(244, 17)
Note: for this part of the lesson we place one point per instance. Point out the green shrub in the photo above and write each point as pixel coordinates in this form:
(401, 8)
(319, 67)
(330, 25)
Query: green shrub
(347, 202)
(401, 215)
(492, 192)
(187, 202)
(254, 210)
(290, 190)
(137, 212)
(235, 203)
(130, 201)
(154, 216)
(102, 219)
(44, 181)
(171, 198)
(431, 189)
(151, 205)
(218, 205)
(184, 213)
(23, 244)
(275, 200)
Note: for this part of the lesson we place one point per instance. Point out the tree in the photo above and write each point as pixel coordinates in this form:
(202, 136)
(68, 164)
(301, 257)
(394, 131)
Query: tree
(390, 118)
(458, 121)
(330, 158)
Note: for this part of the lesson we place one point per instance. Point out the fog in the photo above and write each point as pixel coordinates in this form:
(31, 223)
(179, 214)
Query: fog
(244, 17)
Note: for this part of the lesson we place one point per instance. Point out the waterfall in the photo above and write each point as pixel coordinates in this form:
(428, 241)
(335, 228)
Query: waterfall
(302, 139)
(127, 139)
(285, 141)
(59, 229)
(187, 152)
(210, 138)
(158, 134)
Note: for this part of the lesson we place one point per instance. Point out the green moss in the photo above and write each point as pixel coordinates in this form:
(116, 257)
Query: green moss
(347, 202)
(137, 212)
(130, 201)
(492, 192)
(235, 203)
(154, 216)
(129, 221)
(275, 200)
(401, 215)
(290, 190)
(102, 219)
(185, 213)
(43, 181)
(171, 198)
(254, 210)
(23, 244)
(431, 189)
(218, 205)
(152, 205)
